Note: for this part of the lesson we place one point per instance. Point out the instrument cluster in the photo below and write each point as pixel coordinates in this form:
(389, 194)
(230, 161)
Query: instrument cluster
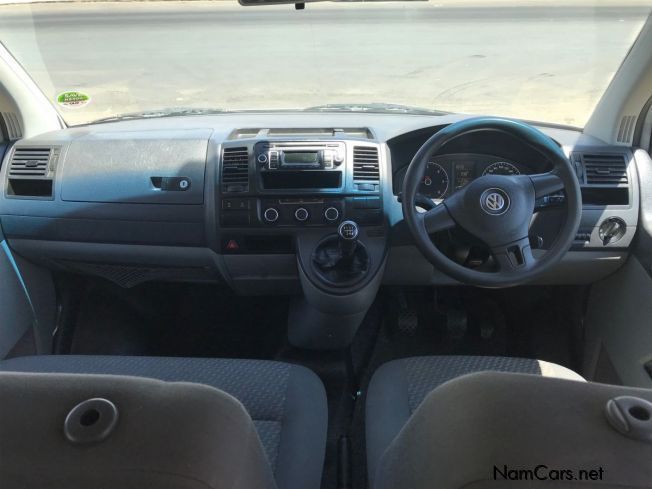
(447, 173)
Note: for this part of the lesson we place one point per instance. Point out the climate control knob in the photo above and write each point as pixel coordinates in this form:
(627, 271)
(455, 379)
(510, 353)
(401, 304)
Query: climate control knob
(332, 214)
(301, 214)
(270, 215)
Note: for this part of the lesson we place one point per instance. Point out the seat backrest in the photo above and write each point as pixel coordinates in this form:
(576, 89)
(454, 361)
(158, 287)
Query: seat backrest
(495, 430)
(127, 433)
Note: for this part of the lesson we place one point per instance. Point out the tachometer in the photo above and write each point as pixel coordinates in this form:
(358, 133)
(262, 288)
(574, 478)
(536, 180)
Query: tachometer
(501, 168)
(435, 181)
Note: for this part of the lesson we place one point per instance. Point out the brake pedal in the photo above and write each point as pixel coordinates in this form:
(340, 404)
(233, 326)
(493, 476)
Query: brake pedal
(408, 321)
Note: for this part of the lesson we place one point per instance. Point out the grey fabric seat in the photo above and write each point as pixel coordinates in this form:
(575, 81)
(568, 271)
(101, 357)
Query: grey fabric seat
(286, 402)
(497, 430)
(397, 389)
(80, 431)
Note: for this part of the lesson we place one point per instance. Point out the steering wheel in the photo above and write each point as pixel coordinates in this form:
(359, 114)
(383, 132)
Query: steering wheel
(497, 209)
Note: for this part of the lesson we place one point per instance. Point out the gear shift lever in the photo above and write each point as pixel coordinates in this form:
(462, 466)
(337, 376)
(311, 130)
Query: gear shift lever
(348, 238)
(340, 260)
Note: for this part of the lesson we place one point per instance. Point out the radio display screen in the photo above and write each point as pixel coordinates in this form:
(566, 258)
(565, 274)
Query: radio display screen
(300, 158)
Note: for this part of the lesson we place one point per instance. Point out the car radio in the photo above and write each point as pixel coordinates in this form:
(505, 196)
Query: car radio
(299, 165)
(291, 155)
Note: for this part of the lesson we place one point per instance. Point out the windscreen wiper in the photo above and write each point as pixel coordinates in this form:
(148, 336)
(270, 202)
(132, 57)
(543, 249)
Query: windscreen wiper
(375, 108)
(153, 114)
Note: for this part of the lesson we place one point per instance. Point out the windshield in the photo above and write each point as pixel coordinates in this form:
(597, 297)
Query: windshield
(540, 60)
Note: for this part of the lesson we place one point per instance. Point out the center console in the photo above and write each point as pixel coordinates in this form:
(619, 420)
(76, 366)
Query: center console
(293, 184)
(317, 202)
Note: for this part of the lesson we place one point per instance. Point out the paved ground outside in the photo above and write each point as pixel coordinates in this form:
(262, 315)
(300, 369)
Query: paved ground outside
(537, 60)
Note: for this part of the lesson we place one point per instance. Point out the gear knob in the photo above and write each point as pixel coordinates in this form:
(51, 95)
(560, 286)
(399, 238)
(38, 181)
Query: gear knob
(348, 237)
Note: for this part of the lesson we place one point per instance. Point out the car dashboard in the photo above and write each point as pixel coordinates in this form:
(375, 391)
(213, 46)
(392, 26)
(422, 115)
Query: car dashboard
(246, 198)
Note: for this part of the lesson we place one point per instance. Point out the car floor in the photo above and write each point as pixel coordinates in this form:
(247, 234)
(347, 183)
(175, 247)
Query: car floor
(204, 320)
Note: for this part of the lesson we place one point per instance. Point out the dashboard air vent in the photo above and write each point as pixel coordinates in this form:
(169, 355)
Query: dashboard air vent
(29, 162)
(10, 126)
(365, 164)
(626, 129)
(31, 171)
(235, 170)
(605, 169)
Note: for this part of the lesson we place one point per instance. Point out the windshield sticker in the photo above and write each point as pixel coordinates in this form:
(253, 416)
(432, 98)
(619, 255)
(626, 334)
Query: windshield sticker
(73, 99)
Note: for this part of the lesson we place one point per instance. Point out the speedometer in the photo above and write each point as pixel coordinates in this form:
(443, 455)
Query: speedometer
(501, 168)
(435, 181)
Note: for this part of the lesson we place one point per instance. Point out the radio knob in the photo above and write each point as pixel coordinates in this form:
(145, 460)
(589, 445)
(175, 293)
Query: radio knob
(270, 215)
(301, 214)
(331, 214)
(262, 158)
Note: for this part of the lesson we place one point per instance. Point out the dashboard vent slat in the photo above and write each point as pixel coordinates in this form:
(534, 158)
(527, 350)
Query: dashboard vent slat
(32, 162)
(235, 169)
(366, 165)
(626, 129)
(605, 169)
(10, 125)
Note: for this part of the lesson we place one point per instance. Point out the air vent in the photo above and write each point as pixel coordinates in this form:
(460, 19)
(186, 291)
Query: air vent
(605, 169)
(10, 126)
(235, 170)
(365, 164)
(31, 170)
(30, 162)
(626, 129)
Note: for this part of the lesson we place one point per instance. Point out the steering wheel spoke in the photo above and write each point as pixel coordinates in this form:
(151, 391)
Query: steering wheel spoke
(546, 184)
(514, 256)
(437, 219)
(424, 202)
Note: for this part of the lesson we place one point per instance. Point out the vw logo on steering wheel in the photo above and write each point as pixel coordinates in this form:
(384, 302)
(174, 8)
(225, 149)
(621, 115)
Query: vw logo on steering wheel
(494, 201)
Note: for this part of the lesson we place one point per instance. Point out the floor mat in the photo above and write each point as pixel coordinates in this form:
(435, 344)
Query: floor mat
(178, 320)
